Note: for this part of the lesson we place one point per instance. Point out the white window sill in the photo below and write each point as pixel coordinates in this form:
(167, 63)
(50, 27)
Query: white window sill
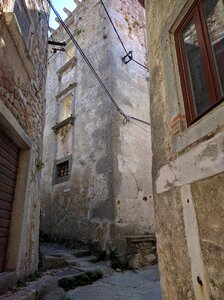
(205, 126)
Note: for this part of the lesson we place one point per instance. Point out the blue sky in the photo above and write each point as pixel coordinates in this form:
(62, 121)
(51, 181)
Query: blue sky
(59, 5)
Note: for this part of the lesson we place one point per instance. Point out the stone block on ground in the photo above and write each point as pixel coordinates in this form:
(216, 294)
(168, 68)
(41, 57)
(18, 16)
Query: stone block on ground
(54, 262)
(57, 294)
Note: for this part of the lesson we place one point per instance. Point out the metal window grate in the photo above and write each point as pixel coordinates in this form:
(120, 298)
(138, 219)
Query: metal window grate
(62, 169)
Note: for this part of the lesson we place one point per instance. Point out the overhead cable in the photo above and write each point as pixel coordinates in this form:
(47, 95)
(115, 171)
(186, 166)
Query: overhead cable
(126, 117)
(115, 29)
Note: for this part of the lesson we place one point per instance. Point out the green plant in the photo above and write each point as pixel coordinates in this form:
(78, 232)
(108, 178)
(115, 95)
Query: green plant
(39, 164)
(70, 283)
(31, 277)
(117, 262)
(100, 256)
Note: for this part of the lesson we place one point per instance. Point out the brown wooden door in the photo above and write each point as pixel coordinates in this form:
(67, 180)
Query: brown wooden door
(9, 157)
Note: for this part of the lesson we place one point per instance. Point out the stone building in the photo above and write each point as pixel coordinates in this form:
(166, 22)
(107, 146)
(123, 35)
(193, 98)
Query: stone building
(186, 54)
(96, 184)
(23, 57)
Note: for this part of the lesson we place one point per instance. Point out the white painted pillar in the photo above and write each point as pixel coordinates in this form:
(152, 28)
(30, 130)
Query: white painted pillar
(199, 277)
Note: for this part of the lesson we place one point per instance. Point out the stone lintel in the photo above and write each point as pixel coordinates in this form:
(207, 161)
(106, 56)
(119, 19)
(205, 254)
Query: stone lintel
(66, 90)
(69, 120)
(70, 64)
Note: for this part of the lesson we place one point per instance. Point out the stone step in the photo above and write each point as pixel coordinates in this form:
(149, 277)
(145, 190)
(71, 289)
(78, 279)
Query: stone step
(54, 262)
(57, 294)
(82, 253)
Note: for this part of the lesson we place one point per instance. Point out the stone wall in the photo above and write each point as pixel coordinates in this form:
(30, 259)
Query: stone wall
(188, 171)
(141, 251)
(22, 87)
(109, 193)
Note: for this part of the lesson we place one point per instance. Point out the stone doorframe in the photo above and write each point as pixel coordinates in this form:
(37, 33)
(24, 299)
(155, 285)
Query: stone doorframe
(20, 205)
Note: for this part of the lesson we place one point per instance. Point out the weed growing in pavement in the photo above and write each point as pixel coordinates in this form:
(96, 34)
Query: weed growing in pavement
(70, 283)
(25, 279)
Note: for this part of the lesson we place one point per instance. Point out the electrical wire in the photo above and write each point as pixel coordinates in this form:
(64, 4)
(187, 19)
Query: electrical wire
(51, 56)
(140, 64)
(126, 117)
(115, 29)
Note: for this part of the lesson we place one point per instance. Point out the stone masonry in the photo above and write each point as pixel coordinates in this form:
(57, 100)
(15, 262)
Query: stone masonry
(23, 57)
(188, 166)
(106, 192)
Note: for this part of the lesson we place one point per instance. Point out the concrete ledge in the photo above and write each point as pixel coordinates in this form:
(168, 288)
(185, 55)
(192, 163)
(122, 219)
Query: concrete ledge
(141, 238)
(69, 120)
(69, 65)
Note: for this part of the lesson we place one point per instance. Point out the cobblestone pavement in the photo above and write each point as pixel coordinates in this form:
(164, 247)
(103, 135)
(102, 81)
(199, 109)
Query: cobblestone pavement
(141, 285)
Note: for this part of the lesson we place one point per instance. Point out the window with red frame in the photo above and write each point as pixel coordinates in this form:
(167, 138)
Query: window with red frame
(200, 52)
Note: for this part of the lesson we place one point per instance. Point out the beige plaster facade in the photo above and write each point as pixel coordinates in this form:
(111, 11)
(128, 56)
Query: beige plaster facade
(187, 170)
(108, 194)
(23, 45)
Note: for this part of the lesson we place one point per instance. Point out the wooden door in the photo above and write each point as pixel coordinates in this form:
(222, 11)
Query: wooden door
(9, 157)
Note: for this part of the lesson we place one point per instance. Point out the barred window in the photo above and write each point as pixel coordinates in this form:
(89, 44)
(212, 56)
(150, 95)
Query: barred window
(62, 170)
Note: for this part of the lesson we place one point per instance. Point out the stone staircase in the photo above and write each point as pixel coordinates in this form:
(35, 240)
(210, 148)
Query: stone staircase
(57, 262)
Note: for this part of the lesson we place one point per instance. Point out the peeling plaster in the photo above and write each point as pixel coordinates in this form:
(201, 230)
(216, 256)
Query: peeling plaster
(203, 161)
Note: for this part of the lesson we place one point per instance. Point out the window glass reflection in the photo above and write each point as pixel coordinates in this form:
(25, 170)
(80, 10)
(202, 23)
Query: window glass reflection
(198, 88)
(214, 13)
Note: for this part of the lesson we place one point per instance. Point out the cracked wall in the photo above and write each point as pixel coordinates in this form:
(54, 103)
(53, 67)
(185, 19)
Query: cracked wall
(110, 194)
(187, 168)
(22, 86)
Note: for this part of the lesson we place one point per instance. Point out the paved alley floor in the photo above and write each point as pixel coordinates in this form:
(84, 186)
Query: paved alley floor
(142, 285)
(60, 262)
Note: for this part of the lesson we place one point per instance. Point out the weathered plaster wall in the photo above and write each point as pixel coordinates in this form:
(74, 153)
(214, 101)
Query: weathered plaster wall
(22, 93)
(187, 168)
(133, 191)
(109, 193)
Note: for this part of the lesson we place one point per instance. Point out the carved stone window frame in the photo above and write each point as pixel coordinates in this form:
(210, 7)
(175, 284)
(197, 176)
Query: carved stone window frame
(69, 90)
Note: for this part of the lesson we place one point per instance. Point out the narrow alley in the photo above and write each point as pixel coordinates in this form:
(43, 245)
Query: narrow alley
(60, 262)
(111, 150)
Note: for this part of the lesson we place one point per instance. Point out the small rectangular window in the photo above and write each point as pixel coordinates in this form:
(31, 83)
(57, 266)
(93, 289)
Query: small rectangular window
(62, 170)
(65, 107)
(200, 51)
